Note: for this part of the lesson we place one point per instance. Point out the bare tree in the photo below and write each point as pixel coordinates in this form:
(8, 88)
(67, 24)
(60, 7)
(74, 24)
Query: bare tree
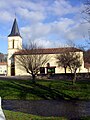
(31, 59)
(87, 56)
(86, 11)
(70, 60)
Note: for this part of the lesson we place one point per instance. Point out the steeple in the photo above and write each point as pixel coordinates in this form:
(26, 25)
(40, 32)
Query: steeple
(14, 45)
(15, 29)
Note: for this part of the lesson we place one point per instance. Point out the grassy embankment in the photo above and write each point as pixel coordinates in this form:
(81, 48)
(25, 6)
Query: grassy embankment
(44, 89)
(22, 116)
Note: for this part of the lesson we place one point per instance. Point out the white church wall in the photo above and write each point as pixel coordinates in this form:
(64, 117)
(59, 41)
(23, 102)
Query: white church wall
(52, 60)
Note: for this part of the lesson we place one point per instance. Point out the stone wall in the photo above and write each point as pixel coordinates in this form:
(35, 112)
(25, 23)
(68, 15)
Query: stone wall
(68, 76)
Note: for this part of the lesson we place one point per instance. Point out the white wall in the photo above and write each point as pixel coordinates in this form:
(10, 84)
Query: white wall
(3, 68)
(21, 71)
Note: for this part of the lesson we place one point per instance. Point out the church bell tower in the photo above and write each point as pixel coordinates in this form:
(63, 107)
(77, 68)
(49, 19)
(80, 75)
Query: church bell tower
(14, 45)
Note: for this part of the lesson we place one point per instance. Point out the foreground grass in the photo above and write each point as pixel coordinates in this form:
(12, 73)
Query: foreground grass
(44, 89)
(22, 116)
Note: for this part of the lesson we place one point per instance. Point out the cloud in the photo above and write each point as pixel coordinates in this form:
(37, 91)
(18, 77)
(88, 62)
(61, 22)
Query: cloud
(62, 7)
(64, 29)
(78, 31)
(48, 30)
(43, 42)
(36, 31)
(26, 9)
(61, 26)
(5, 16)
(50, 22)
(47, 43)
(26, 33)
(32, 16)
(38, 11)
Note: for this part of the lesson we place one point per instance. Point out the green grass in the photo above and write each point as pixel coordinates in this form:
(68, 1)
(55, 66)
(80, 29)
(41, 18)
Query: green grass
(10, 115)
(44, 89)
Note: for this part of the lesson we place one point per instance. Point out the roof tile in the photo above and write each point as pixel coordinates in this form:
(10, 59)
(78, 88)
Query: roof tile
(48, 51)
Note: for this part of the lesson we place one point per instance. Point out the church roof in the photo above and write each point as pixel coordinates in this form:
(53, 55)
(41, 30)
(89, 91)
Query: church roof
(48, 51)
(15, 29)
(3, 63)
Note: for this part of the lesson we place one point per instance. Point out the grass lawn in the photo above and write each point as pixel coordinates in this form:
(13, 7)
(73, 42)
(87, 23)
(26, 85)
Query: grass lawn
(23, 116)
(10, 115)
(44, 89)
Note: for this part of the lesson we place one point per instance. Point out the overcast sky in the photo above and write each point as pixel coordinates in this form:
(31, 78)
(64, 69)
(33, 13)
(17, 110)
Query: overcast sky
(50, 23)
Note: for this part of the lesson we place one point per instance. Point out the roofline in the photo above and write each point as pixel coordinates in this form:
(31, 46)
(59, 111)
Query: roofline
(14, 36)
(51, 51)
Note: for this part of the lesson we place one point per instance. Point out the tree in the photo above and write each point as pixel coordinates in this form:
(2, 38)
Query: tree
(74, 63)
(31, 58)
(86, 11)
(62, 60)
(87, 56)
(70, 60)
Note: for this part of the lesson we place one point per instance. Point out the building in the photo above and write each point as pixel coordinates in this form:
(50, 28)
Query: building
(15, 48)
(3, 64)
(3, 68)
(14, 45)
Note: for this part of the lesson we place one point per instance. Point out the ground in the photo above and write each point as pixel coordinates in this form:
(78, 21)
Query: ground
(44, 89)
(22, 116)
(11, 89)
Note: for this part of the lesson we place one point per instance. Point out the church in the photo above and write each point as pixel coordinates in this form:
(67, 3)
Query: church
(15, 46)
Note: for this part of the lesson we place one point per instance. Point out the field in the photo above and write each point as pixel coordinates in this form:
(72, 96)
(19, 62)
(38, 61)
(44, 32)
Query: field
(22, 116)
(44, 90)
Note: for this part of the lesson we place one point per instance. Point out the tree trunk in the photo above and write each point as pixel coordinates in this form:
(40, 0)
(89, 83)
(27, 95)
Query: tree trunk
(65, 69)
(33, 78)
(74, 79)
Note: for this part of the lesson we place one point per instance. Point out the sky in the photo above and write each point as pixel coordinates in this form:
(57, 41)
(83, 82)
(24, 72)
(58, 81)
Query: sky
(49, 23)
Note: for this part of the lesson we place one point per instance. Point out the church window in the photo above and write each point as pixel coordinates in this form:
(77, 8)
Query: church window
(12, 60)
(13, 44)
